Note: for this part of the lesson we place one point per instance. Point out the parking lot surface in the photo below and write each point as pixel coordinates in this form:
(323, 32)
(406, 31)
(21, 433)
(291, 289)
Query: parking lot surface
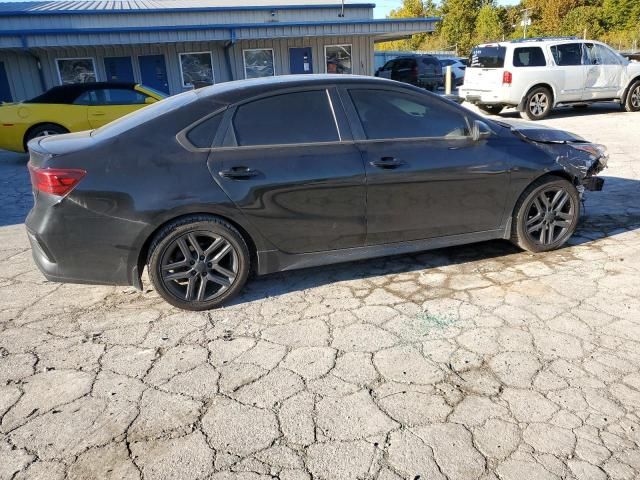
(474, 362)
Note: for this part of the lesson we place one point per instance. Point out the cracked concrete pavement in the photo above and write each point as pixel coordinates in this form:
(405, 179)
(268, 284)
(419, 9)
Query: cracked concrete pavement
(474, 362)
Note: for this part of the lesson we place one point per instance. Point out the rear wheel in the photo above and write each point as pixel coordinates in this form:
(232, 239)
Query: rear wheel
(546, 215)
(632, 102)
(198, 262)
(537, 104)
(490, 109)
(43, 130)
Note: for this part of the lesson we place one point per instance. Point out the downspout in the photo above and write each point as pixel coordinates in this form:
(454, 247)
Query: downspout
(227, 56)
(27, 50)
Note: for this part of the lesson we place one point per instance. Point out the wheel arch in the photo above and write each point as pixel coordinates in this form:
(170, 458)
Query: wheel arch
(143, 252)
(548, 86)
(553, 173)
(627, 89)
(39, 124)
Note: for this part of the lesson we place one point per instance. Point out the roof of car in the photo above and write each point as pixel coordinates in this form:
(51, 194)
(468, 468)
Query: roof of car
(257, 86)
(68, 93)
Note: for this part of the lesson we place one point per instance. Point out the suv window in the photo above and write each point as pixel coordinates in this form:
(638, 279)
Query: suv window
(528, 57)
(487, 57)
(601, 55)
(567, 54)
(430, 61)
(387, 114)
(300, 117)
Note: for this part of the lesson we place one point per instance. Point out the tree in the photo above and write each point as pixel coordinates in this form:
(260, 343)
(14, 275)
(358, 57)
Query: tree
(411, 9)
(581, 20)
(458, 23)
(488, 25)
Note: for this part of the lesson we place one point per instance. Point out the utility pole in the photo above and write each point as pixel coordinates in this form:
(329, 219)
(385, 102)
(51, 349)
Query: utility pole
(526, 20)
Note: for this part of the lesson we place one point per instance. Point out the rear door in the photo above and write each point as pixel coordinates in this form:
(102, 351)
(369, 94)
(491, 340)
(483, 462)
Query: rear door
(426, 177)
(486, 66)
(569, 72)
(604, 72)
(288, 163)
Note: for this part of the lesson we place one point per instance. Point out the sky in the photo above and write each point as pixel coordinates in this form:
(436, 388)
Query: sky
(383, 7)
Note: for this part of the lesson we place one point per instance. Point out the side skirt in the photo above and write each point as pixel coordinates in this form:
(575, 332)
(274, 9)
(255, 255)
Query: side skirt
(276, 261)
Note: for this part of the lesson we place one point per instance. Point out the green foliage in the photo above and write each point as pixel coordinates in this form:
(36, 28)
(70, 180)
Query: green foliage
(489, 26)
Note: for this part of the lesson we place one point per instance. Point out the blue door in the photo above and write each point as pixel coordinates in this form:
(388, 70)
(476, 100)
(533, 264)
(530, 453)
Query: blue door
(153, 72)
(5, 90)
(300, 60)
(119, 69)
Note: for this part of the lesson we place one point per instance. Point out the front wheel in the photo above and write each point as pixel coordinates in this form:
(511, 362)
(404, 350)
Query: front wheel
(537, 104)
(632, 102)
(198, 262)
(546, 215)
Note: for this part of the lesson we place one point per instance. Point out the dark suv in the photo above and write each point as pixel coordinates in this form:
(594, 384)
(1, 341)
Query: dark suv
(420, 70)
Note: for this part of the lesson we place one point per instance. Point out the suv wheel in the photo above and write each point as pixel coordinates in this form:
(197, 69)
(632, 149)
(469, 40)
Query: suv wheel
(490, 109)
(632, 103)
(546, 215)
(198, 262)
(537, 104)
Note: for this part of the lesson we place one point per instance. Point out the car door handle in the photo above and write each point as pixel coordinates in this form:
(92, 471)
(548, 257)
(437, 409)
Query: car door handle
(239, 173)
(97, 114)
(387, 163)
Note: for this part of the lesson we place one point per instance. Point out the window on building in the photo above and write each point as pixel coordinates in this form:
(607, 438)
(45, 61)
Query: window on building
(196, 69)
(338, 58)
(76, 70)
(529, 57)
(386, 114)
(258, 62)
(567, 54)
(268, 121)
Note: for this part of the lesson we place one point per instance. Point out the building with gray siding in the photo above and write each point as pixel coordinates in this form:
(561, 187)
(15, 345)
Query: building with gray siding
(173, 45)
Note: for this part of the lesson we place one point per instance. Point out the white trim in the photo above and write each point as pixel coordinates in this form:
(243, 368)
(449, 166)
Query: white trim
(180, 54)
(93, 63)
(244, 60)
(350, 45)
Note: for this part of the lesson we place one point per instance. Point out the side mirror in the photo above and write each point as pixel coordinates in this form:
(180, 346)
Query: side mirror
(150, 100)
(480, 130)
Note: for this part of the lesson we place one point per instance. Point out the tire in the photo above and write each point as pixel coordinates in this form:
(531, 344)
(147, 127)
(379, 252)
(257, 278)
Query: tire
(43, 130)
(182, 286)
(533, 222)
(537, 104)
(632, 102)
(490, 109)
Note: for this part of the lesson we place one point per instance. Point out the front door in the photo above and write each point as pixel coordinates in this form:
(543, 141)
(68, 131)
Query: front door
(300, 60)
(604, 72)
(153, 72)
(5, 90)
(426, 177)
(285, 167)
(118, 69)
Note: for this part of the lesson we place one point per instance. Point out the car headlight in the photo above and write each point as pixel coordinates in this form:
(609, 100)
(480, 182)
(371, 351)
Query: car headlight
(594, 149)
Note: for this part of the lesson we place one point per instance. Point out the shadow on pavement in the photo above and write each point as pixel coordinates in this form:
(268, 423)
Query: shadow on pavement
(15, 188)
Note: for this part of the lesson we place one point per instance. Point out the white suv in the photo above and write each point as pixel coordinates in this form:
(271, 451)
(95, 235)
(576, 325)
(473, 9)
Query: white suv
(538, 74)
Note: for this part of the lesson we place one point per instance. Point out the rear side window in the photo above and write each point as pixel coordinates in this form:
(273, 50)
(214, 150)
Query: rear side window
(300, 117)
(430, 61)
(487, 57)
(567, 54)
(111, 96)
(386, 115)
(528, 57)
(202, 135)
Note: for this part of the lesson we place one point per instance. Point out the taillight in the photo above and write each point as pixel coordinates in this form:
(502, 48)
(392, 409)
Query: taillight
(56, 181)
(507, 77)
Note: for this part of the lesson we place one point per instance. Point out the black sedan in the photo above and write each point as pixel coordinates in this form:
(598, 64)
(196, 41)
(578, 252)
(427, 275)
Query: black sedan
(260, 176)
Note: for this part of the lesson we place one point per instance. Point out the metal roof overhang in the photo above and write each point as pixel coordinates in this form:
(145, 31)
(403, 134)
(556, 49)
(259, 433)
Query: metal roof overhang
(381, 30)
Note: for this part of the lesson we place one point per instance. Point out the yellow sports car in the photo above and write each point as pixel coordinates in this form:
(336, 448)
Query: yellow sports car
(70, 108)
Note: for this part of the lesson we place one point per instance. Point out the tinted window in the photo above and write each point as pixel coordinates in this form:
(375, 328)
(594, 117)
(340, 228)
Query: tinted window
(528, 57)
(301, 117)
(601, 55)
(487, 57)
(202, 135)
(110, 96)
(430, 61)
(567, 54)
(386, 114)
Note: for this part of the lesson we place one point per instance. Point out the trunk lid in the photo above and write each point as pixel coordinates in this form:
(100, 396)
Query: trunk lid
(485, 69)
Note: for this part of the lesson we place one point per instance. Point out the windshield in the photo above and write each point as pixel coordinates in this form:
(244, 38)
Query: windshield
(145, 114)
(487, 57)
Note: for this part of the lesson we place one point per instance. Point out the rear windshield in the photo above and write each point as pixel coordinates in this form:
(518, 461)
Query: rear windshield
(487, 57)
